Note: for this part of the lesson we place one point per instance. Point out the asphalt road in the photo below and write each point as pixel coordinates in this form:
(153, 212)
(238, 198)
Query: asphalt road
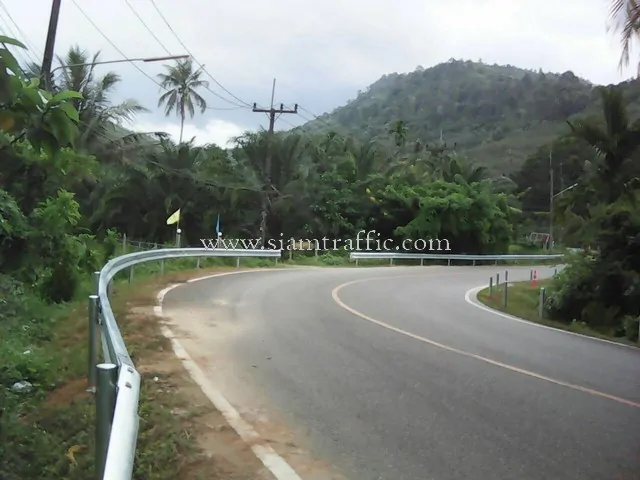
(395, 376)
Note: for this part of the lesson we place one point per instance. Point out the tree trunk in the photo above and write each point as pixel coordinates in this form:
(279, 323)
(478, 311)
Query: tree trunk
(181, 124)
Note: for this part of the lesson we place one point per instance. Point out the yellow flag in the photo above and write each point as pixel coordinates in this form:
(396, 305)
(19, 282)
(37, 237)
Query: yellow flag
(175, 218)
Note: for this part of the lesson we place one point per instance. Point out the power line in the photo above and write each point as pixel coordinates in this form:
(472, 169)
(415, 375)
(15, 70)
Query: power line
(26, 39)
(22, 56)
(226, 109)
(169, 53)
(198, 63)
(147, 27)
(114, 46)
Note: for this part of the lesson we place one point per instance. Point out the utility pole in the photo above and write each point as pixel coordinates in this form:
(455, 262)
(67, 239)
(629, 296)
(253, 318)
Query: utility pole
(271, 112)
(561, 229)
(550, 199)
(47, 60)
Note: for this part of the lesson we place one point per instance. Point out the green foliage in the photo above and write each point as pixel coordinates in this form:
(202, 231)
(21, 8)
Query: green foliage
(46, 121)
(73, 180)
(498, 115)
(604, 291)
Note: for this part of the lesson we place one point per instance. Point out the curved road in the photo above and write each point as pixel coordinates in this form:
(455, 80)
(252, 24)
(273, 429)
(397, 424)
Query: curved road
(388, 373)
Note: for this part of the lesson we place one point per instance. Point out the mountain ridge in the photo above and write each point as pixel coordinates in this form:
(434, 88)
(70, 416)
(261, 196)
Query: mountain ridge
(496, 115)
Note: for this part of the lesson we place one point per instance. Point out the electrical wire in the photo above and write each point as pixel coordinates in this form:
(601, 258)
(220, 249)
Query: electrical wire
(114, 45)
(23, 56)
(246, 105)
(147, 27)
(25, 38)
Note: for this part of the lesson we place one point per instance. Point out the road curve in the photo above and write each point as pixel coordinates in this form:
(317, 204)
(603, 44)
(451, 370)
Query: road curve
(387, 373)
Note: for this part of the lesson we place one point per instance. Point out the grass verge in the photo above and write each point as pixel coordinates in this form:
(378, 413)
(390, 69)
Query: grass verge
(47, 431)
(523, 301)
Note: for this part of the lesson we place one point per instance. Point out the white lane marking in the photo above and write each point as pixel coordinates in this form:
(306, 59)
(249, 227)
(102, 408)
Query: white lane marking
(513, 368)
(277, 465)
(471, 298)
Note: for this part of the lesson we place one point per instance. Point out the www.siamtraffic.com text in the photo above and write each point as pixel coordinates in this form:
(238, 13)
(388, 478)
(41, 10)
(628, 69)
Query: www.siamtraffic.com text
(364, 241)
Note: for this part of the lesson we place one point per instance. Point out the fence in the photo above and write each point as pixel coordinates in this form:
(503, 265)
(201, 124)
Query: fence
(116, 383)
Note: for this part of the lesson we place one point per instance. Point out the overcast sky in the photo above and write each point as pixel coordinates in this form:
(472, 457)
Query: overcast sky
(321, 53)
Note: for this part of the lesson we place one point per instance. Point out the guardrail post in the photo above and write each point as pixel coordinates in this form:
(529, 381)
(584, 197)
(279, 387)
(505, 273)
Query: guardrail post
(96, 282)
(130, 274)
(448, 262)
(391, 261)
(198, 263)
(497, 279)
(421, 262)
(106, 393)
(238, 262)
(93, 341)
(541, 305)
(506, 290)
(162, 267)
(356, 262)
(474, 263)
(490, 287)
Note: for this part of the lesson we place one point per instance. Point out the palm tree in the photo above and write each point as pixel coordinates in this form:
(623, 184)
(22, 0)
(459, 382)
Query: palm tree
(614, 143)
(399, 131)
(99, 118)
(181, 82)
(462, 170)
(625, 15)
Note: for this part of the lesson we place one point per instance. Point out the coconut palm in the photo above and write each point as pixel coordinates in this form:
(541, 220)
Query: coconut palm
(100, 120)
(181, 82)
(625, 16)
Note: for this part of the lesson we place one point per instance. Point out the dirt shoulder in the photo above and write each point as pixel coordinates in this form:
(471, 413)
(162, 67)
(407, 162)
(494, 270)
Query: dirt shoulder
(182, 435)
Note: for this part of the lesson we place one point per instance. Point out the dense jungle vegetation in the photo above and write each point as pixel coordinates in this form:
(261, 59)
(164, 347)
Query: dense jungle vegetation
(73, 180)
(497, 115)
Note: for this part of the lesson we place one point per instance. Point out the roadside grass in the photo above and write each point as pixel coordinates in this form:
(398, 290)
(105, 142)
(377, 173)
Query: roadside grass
(48, 432)
(523, 301)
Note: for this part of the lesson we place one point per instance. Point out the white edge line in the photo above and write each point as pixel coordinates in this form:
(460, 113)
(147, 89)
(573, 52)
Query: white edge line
(476, 303)
(277, 465)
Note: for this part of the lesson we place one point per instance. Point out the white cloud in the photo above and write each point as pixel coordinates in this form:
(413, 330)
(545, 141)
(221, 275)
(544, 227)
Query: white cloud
(219, 132)
(323, 52)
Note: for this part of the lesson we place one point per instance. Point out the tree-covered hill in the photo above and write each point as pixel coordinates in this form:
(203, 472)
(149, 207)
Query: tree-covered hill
(497, 115)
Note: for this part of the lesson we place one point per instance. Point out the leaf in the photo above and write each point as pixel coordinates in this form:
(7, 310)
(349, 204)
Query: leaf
(10, 61)
(70, 111)
(72, 451)
(12, 41)
(66, 95)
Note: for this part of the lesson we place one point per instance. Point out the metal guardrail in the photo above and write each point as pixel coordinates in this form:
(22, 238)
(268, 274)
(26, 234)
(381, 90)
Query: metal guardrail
(391, 256)
(116, 382)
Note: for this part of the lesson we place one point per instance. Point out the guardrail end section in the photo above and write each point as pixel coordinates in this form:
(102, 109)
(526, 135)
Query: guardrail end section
(124, 433)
